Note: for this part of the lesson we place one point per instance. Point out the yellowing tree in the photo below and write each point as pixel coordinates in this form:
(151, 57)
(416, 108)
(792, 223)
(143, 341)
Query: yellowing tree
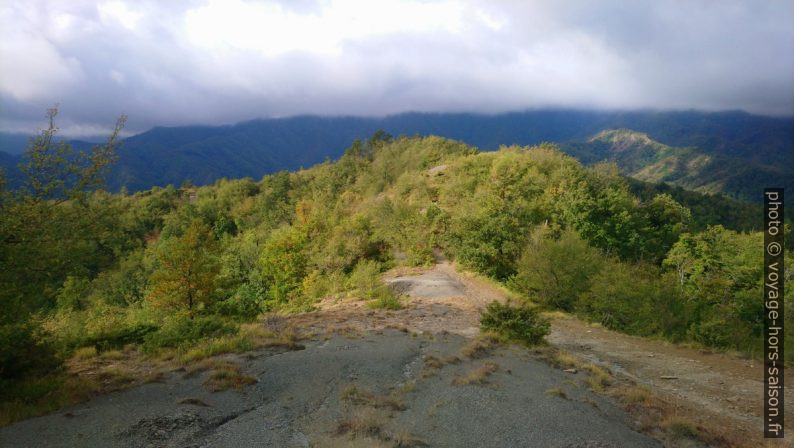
(188, 270)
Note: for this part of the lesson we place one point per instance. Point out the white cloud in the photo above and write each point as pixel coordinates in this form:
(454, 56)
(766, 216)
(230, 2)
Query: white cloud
(212, 61)
(118, 11)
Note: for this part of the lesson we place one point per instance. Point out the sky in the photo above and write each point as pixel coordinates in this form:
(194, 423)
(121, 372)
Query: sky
(168, 63)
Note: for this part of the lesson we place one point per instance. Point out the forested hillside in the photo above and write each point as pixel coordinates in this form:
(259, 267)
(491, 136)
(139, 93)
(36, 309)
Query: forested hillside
(644, 159)
(174, 271)
(742, 150)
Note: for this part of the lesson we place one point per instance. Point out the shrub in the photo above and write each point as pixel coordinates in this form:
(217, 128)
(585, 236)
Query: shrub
(636, 299)
(245, 303)
(181, 330)
(366, 282)
(365, 279)
(22, 351)
(385, 299)
(74, 293)
(121, 336)
(555, 272)
(517, 323)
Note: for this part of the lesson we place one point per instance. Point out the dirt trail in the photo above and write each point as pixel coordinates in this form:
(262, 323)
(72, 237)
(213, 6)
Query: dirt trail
(709, 388)
(438, 300)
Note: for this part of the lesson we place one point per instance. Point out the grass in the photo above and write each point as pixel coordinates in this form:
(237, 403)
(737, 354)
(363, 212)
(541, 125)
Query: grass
(218, 346)
(92, 372)
(363, 423)
(557, 392)
(250, 337)
(355, 395)
(113, 355)
(663, 420)
(481, 345)
(227, 376)
(679, 428)
(599, 377)
(635, 396)
(433, 362)
(84, 353)
(476, 376)
(31, 397)
(117, 375)
(385, 302)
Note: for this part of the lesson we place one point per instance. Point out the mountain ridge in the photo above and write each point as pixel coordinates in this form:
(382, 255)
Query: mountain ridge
(253, 148)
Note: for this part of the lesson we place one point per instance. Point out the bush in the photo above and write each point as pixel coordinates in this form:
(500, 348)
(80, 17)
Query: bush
(636, 299)
(116, 338)
(366, 282)
(516, 323)
(554, 272)
(385, 299)
(245, 303)
(181, 330)
(365, 279)
(23, 352)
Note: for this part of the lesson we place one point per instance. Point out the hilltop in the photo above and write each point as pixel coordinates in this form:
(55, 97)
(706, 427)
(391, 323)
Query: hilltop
(644, 159)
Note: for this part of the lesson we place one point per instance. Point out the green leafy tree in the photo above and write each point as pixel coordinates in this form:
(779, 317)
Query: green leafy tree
(554, 272)
(188, 270)
(49, 231)
(283, 264)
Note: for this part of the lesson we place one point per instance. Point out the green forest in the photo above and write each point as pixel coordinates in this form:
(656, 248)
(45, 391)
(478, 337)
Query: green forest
(168, 269)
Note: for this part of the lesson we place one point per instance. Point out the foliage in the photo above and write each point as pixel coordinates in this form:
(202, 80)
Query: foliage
(178, 330)
(172, 267)
(283, 264)
(554, 272)
(637, 299)
(52, 228)
(518, 323)
(188, 268)
(23, 351)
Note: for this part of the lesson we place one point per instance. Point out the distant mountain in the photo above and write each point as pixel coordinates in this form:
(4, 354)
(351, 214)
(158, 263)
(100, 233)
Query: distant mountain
(11, 143)
(203, 154)
(645, 159)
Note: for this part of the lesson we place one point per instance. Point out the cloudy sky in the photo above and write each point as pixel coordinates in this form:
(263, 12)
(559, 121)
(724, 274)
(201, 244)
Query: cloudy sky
(213, 61)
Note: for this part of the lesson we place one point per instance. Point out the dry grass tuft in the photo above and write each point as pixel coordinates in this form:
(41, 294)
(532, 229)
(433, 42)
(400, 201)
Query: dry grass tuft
(599, 377)
(404, 439)
(113, 355)
(476, 376)
(480, 346)
(84, 353)
(116, 375)
(363, 423)
(363, 397)
(227, 376)
(679, 428)
(557, 392)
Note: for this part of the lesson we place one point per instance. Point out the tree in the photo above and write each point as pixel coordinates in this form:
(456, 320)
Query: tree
(555, 272)
(48, 232)
(188, 270)
(284, 263)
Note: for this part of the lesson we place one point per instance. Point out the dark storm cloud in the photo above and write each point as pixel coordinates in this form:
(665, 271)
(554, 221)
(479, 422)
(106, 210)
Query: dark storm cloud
(205, 61)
